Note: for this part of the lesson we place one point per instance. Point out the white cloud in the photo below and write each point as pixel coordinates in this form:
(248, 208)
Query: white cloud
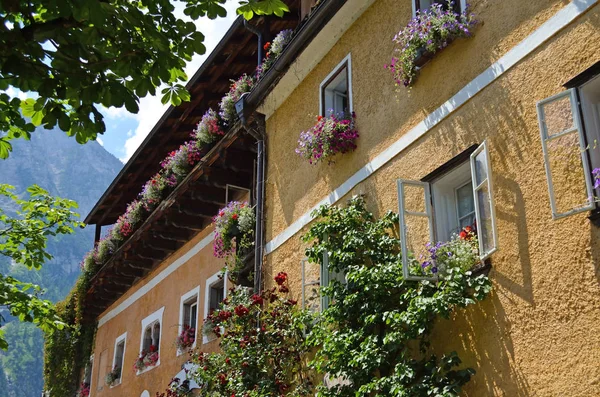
(15, 92)
(116, 113)
(151, 108)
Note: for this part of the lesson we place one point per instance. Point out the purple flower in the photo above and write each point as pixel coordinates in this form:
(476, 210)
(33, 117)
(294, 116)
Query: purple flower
(596, 173)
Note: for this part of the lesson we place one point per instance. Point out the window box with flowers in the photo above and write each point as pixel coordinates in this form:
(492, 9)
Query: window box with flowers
(84, 390)
(146, 360)
(113, 378)
(186, 338)
(331, 135)
(426, 34)
(234, 232)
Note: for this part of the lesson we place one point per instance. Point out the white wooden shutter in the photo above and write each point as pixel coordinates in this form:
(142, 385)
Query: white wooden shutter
(481, 176)
(416, 228)
(563, 143)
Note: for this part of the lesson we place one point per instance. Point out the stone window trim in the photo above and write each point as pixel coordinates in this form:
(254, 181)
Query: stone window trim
(210, 282)
(121, 339)
(344, 68)
(151, 321)
(186, 299)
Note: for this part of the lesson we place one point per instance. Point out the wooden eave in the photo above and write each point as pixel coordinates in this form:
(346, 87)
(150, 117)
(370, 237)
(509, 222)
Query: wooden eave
(235, 55)
(185, 212)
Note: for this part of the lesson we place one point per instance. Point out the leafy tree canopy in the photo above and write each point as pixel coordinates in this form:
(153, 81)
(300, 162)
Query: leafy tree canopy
(76, 55)
(23, 240)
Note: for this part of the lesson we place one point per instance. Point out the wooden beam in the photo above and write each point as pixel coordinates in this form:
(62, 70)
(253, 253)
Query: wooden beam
(199, 208)
(187, 222)
(209, 194)
(221, 178)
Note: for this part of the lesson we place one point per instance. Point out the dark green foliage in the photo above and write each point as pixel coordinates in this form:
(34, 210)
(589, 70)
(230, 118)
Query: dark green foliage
(380, 343)
(77, 55)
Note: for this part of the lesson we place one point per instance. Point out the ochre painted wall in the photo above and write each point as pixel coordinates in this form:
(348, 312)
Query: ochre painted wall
(538, 334)
(167, 293)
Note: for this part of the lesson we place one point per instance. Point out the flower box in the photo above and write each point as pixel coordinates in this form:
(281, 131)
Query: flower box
(426, 34)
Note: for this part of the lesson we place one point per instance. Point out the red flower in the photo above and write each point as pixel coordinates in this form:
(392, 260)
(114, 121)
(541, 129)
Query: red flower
(257, 299)
(241, 310)
(234, 216)
(267, 45)
(467, 233)
(281, 278)
(319, 118)
(284, 289)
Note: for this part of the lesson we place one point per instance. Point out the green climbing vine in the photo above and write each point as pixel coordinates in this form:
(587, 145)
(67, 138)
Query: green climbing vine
(382, 324)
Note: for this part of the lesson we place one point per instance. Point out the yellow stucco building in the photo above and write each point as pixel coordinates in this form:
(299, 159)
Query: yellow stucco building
(519, 101)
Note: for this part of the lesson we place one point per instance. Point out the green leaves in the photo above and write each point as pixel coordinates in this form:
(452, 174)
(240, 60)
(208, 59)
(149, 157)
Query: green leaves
(383, 323)
(175, 94)
(250, 8)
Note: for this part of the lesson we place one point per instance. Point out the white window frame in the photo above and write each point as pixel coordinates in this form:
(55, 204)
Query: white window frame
(212, 280)
(346, 62)
(184, 299)
(487, 182)
(151, 319)
(572, 94)
(305, 284)
(121, 338)
(403, 212)
(429, 211)
(463, 6)
(229, 189)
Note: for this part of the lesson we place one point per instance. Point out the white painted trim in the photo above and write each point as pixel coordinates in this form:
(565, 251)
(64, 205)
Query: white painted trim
(122, 338)
(91, 372)
(347, 60)
(212, 280)
(314, 52)
(156, 316)
(547, 30)
(156, 280)
(184, 298)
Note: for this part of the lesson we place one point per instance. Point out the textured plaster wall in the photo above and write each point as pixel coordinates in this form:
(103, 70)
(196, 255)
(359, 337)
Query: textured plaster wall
(167, 293)
(538, 334)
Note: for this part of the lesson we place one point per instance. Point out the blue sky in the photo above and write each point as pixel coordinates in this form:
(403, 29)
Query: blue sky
(125, 131)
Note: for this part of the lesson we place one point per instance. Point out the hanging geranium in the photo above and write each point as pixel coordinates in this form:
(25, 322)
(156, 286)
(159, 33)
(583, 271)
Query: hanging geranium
(235, 222)
(330, 136)
(84, 390)
(209, 129)
(153, 191)
(429, 31)
(240, 86)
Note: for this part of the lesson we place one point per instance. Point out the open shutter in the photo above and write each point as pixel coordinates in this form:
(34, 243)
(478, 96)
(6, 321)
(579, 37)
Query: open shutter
(311, 286)
(563, 143)
(416, 230)
(485, 216)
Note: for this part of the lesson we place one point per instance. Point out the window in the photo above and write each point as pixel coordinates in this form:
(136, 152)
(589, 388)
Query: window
(188, 313)
(216, 291)
(336, 90)
(315, 277)
(87, 374)
(433, 210)
(422, 5)
(119, 357)
(565, 147)
(151, 334)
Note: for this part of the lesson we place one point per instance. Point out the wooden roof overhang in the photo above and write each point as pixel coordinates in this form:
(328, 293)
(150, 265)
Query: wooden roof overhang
(236, 54)
(186, 211)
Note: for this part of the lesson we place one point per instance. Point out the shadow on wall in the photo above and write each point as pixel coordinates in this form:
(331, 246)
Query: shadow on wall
(486, 345)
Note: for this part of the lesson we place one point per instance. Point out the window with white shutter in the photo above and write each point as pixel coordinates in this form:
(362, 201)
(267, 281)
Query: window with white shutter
(564, 147)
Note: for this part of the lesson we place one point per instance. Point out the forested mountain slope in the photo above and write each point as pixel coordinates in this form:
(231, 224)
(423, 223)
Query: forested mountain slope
(67, 169)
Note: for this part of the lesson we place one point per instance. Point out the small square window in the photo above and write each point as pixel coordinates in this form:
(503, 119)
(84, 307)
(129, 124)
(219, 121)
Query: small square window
(423, 5)
(336, 91)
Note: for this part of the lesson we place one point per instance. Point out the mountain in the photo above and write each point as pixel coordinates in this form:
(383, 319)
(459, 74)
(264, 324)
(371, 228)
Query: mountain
(66, 169)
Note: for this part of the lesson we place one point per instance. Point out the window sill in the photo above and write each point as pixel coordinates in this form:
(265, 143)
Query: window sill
(148, 368)
(115, 384)
(481, 268)
(180, 352)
